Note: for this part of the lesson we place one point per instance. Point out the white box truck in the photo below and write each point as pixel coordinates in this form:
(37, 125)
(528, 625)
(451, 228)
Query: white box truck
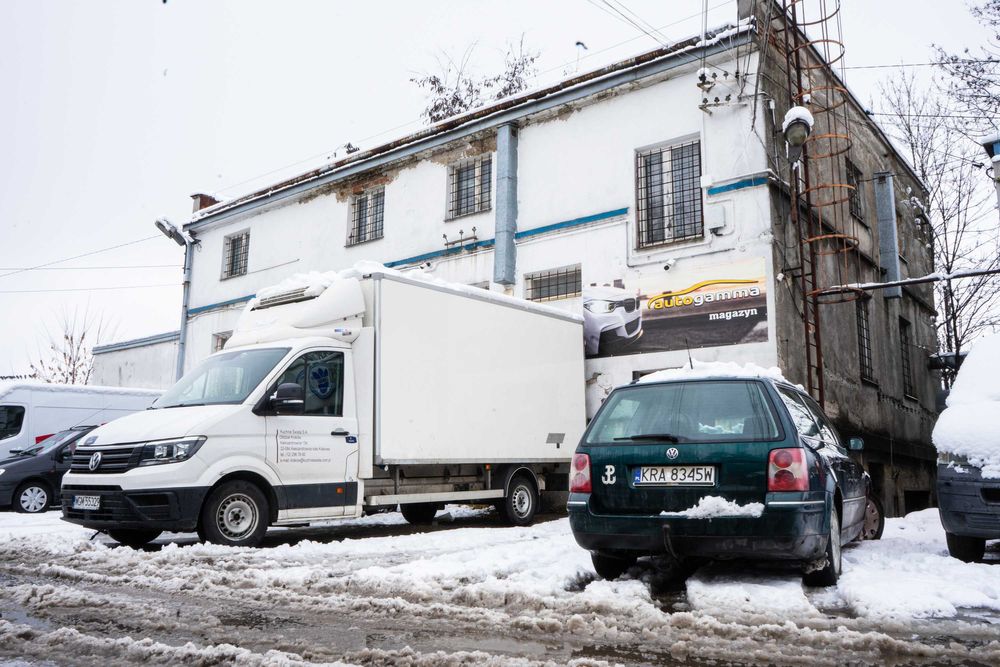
(341, 394)
(32, 411)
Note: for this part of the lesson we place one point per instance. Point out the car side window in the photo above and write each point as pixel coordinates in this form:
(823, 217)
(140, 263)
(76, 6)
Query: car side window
(321, 376)
(827, 432)
(802, 417)
(11, 419)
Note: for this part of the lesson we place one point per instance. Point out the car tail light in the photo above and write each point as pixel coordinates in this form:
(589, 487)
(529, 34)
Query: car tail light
(786, 471)
(579, 475)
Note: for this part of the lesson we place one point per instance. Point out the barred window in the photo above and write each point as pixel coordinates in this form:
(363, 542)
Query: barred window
(470, 185)
(219, 340)
(668, 194)
(367, 214)
(905, 350)
(234, 262)
(554, 284)
(855, 201)
(865, 341)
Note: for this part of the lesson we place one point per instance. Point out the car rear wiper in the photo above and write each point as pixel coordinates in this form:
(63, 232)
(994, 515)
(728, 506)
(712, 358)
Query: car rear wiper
(652, 436)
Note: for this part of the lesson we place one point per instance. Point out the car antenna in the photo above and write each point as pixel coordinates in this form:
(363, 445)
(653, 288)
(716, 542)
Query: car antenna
(687, 346)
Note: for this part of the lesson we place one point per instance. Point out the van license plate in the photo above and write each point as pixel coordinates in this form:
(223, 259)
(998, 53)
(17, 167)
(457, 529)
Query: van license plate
(86, 502)
(674, 476)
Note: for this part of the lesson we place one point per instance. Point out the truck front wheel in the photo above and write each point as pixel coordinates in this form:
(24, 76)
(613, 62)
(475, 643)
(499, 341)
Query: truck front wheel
(968, 549)
(522, 501)
(419, 514)
(134, 538)
(236, 514)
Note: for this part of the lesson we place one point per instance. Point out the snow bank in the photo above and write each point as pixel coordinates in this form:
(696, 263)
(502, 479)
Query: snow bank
(714, 369)
(969, 426)
(712, 507)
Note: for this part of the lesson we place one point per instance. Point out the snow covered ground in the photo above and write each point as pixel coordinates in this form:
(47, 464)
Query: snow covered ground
(469, 591)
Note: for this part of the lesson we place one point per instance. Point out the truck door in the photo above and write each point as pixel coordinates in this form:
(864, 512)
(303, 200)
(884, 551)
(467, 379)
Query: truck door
(312, 451)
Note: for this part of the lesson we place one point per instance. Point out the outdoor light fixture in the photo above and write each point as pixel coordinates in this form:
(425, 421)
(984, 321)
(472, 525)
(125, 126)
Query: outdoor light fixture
(171, 231)
(797, 127)
(991, 144)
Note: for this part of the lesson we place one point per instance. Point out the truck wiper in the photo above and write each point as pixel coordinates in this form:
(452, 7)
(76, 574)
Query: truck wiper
(182, 405)
(652, 436)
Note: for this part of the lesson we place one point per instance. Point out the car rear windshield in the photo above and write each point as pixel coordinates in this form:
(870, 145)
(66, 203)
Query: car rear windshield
(705, 411)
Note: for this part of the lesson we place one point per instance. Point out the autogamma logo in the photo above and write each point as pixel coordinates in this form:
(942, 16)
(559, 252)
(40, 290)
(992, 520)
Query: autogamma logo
(95, 461)
(672, 453)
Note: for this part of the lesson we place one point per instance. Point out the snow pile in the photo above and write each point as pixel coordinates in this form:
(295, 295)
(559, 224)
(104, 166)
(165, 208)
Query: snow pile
(969, 426)
(713, 507)
(797, 114)
(714, 369)
(727, 594)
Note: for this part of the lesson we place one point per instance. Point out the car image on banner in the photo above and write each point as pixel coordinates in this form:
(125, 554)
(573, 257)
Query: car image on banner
(612, 318)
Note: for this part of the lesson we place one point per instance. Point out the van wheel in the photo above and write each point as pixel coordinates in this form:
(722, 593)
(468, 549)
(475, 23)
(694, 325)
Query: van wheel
(522, 501)
(874, 522)
(967, 549)
(32, 498)
(236, 514)
(134, 538)
(611, 567)
(830, 572)
(419, 514)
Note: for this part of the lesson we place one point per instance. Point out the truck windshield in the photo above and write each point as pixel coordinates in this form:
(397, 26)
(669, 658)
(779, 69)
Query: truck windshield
(713, 411)
(228, 377)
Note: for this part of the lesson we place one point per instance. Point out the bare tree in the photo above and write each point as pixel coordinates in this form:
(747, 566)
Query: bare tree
(69, 358)
(974, 75)
(959, 209)
(455, 89)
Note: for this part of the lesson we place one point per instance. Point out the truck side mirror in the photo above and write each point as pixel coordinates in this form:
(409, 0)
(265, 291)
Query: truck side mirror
(855, 444)
(289, 399)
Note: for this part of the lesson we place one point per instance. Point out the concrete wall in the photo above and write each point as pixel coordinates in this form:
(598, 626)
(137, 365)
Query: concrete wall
(149, 366)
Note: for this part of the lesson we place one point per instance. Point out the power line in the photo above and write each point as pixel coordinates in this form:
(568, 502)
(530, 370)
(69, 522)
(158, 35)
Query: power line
(86, 254)
(90, 268)
(85, 289)
(984, 61)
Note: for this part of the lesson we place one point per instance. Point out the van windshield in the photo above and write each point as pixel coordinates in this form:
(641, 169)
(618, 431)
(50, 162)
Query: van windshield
(228, 377)
(705, 411)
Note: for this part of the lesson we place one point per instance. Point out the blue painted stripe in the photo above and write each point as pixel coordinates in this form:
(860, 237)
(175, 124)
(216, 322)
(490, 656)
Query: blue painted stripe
(571, 223)
(738, 185)
(137, 342)
(221, 304)
(416, 259)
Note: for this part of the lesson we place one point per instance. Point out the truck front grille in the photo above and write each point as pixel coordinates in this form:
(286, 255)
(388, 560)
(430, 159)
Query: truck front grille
(118, 458)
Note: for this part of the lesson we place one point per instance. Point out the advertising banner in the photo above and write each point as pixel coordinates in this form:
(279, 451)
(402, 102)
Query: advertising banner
(703, 306)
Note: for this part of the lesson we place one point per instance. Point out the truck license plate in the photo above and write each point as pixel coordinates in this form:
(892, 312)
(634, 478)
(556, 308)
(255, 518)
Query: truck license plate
(674, 476)
(86, 502)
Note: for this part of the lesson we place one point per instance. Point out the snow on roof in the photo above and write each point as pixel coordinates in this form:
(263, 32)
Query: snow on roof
(715, 369)
(38, 385)
(314, 283)
(968, 426)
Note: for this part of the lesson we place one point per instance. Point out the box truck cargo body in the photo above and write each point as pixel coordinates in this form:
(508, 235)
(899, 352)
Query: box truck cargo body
(32, 411)
(345, 394)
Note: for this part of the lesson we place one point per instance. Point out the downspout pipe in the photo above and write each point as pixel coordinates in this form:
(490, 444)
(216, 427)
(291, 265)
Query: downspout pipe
(888, 241)
(185, 300)
(505, 251)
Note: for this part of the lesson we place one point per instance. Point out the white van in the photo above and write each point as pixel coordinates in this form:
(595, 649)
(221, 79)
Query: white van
(344, 394)
(32, 411)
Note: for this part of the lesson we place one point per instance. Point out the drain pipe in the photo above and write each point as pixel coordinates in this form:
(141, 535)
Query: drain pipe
(505, 250)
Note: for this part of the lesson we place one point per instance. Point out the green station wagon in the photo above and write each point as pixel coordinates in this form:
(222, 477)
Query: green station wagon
(718, 467)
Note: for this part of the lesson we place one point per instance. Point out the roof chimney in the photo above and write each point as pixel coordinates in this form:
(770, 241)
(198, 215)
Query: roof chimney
(201, 200)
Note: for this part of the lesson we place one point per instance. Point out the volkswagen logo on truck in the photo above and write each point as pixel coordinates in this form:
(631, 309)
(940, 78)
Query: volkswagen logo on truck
(95, 461)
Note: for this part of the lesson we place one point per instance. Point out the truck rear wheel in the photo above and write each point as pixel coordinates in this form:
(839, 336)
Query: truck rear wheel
(236, 514)
(419, 514)
(968, 549)
(134, 538)
(521, 503)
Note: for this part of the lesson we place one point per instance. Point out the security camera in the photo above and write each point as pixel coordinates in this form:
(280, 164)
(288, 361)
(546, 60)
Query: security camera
(669, 263)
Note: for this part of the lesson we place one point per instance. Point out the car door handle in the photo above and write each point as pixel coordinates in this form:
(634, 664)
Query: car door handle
(339, 431)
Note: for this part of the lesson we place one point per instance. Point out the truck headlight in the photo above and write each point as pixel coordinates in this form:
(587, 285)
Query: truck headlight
(599, 306)
(169, 451)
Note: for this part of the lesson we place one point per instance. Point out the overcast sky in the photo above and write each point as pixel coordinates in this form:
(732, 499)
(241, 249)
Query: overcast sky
(115, 112)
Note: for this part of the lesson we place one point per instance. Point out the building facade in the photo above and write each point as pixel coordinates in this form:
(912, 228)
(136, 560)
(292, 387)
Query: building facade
(652, 203)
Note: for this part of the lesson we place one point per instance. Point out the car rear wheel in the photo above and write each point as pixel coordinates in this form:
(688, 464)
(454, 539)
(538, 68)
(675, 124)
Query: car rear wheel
(874, 520)
(968, 549)
(236, 514)
(134, 538)
(522, 501)
(830, 572)
(32, 498)
(611, 567)
(419, 514)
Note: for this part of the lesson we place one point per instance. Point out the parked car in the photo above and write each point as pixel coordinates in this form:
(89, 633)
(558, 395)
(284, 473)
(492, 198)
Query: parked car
(967, 437)
(718, 466)
(30, 478)
(611, 317)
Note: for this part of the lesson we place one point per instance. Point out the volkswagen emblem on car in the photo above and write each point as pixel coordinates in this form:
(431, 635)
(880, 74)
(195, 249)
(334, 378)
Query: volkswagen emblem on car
(672, 453)
(95, 461)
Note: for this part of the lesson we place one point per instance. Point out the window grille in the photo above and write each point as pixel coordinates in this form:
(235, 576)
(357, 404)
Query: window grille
(219, 340)
(367, 214)
(905, 345)
(554, 284)
(470, 186)
(855, 201)
(668, 194)
(237, 246)
(865, 341)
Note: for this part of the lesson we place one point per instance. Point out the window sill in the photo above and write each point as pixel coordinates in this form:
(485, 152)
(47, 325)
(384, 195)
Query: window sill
(911, 398)
(357, 243)
(869, 382)
(654, 247)
(235, 275)
(467, 215)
